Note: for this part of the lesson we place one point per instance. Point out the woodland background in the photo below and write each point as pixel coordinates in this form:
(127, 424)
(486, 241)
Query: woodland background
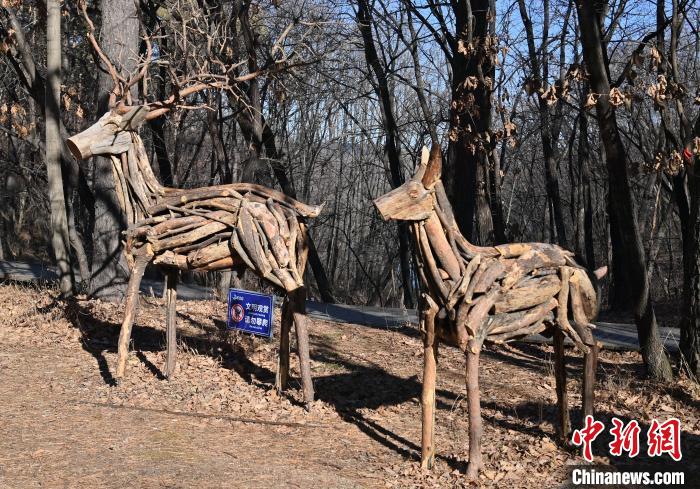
(560, 121)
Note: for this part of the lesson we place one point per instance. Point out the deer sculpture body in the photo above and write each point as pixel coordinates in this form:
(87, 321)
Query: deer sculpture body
(213, 228)
(474, 294)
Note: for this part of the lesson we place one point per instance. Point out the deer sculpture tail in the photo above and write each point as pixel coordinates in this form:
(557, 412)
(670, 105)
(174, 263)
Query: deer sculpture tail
(577, 295)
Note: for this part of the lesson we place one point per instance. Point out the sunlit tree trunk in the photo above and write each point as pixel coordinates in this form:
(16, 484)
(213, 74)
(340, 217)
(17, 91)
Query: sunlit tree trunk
(119, 39)
(60, 240)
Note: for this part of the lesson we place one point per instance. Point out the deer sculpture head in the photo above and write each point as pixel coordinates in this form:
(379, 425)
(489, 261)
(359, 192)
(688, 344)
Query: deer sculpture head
(414, 200)
(111, 134)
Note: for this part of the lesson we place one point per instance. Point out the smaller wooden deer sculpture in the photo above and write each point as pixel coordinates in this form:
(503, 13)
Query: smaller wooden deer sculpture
(474, 294)
(212, 228)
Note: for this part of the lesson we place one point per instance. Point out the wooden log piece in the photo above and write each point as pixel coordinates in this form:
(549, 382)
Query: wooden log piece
(302, 251)
(490, 275)
(505, 322)
(107, 136)
(236, 190)
(298, 300)
(250, 240)
(586, 302)
(174, 223)
(145, 167)
(590, 363)
(430, 264)
(269, 225)
(168, 258)
(441, 247)
(460, 288)
(282, 377)
(222, 264)
(411, 201)
(217, 238)
(478, 315)
(564, 425)
(535, 328)
(277, 211)
(430, 350)
(483, 266)
(170, 322)
(201, 232)
(221, 203)
(563, 310)
(529, 293)
(208, 254)
(535, 258)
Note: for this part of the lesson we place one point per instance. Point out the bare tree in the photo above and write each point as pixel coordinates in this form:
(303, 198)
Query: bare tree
(627, 248)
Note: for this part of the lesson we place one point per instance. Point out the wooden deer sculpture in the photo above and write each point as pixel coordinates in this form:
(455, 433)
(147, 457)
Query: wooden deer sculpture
(211, 228)
(474, 294)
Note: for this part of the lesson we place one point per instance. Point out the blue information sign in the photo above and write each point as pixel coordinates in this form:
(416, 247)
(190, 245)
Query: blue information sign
(250, 312)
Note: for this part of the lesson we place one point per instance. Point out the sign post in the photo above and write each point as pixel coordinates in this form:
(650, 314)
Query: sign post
(251, 312)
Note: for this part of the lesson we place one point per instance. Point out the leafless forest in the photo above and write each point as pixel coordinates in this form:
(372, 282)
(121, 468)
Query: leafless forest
(567, 122)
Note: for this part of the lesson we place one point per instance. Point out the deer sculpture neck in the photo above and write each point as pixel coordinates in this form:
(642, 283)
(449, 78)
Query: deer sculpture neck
(115, 136)
(137, 187)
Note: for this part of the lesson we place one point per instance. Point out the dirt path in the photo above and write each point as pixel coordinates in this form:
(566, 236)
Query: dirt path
(63, 422)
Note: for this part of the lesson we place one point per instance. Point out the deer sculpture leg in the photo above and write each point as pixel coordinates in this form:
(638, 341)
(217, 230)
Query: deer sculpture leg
(132, 300)
(564, 425)
(283, 358)
(474, 405)
(170, 320)
(430, 350)
(298, 304)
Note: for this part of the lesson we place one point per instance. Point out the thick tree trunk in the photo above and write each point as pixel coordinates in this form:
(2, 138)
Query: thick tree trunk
(690, 323)
(60, 240)
(465, 175)
(621, 204)
(119, 41)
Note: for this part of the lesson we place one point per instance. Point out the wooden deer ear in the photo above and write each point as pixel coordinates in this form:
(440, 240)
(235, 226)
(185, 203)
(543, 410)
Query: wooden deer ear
(420, 169)
(434, 169)
(424, 156)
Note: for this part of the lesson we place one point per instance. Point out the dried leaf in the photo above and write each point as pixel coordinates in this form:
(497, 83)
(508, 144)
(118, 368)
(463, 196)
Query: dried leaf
(591, 100)
(550, 96)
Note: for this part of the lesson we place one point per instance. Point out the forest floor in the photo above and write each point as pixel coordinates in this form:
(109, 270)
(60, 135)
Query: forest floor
(65, 423)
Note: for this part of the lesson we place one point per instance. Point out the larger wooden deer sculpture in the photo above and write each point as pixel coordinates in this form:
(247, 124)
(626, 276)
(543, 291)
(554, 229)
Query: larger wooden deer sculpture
(474, 294)
(211, 228)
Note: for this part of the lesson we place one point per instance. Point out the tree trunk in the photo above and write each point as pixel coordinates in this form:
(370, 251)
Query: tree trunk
(586, 192)
(119, 41)
(690, 322)
(539, 76)
(60, 240)
(391, 144)
(465, 173)
(621, 204)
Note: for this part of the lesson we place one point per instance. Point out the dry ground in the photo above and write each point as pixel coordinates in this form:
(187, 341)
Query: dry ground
(65, 423)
